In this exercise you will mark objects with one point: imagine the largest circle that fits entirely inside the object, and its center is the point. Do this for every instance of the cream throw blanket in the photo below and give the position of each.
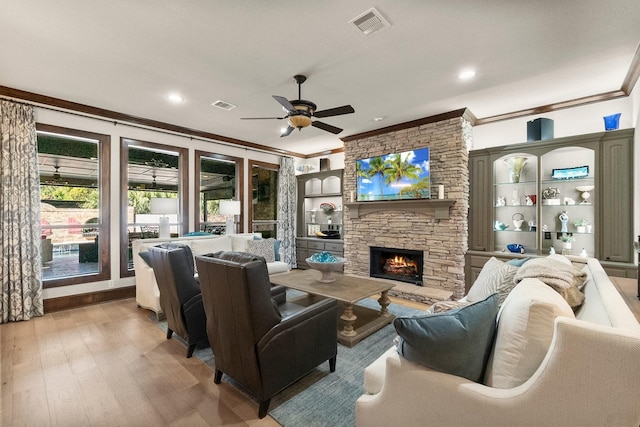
(563, 278)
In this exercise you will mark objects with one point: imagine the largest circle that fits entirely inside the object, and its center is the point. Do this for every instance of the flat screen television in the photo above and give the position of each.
(395, 176)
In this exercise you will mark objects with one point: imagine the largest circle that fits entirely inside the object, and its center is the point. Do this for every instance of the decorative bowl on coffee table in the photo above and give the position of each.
(326, 267)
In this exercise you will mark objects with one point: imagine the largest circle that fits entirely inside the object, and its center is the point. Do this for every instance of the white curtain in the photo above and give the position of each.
(287, 199)
(20, 257)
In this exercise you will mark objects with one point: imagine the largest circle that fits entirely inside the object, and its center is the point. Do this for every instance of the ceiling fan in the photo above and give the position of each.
(300, 112)
(56, 178)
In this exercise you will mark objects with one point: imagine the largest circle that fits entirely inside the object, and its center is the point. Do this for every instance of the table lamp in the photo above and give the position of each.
(230, 208)
(164, 206)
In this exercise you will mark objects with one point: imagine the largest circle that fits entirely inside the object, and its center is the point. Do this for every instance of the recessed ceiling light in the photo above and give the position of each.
(175, 98)
(378, 119)
(466, 74)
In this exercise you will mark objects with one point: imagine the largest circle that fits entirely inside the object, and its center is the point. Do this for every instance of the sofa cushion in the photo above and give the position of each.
(457, 341)
(496, 276)
(262, 247)
(208, 246)
(525, 330)
(239, 242)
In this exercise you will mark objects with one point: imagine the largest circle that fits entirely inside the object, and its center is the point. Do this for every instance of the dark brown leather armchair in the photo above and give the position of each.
(262, 342)
(180, 297)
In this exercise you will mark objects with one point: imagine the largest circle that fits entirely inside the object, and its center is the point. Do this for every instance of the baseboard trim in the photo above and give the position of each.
(73, 301)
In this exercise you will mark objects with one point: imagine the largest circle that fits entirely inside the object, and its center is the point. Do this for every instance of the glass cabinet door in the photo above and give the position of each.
(567, 190)
(515, 200)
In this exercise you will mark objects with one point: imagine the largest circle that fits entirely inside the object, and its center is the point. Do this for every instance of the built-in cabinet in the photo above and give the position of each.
(573, 194)
(317, 192)
(307, 246)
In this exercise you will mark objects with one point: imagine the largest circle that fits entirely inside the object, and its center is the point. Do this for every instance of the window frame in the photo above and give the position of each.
(199, 154)
(264, 165)
(183, 192)
(104, 177)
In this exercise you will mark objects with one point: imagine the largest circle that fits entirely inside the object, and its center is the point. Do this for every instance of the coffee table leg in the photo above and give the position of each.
(384, 302)
(349, 317)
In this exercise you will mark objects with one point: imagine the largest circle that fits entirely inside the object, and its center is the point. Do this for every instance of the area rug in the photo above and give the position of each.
(324, 398)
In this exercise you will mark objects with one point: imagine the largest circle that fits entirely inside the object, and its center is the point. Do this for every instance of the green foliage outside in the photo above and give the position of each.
(89, 198)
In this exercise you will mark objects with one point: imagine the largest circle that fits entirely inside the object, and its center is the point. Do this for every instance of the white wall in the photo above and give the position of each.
(73, 121)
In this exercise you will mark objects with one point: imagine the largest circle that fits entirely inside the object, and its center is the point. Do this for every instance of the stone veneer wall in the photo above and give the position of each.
(444, 241)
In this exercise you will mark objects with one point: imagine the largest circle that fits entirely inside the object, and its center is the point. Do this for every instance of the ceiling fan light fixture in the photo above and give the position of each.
(299, 121)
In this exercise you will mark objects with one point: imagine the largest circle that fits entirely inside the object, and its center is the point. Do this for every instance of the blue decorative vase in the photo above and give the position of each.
(612, 122)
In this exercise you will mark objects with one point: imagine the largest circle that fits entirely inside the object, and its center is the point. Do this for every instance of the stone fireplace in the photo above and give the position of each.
(396, 264)
(422, 226)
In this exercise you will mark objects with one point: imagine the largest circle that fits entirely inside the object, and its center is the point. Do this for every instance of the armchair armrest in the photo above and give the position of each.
(586, 366)
(300, 317)
(279, 294)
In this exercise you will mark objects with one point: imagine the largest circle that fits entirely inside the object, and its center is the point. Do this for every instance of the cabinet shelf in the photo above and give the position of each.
(567, 181)
(519, 184)
(313, 190)
(313, 196)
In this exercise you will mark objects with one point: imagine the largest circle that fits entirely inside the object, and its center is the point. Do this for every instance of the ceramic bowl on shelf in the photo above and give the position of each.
(516, 248)
(326, 268)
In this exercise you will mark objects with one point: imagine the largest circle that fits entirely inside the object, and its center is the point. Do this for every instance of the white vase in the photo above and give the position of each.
(566, 245)
(581, 229)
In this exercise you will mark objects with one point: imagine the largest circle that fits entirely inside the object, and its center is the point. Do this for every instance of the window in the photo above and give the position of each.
(263, 188)
(74, 177)
(153, 173)
(220, 179)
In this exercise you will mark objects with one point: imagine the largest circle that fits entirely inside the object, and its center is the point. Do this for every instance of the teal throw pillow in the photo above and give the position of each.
(197, 233)
(456, 342)
(146, 257)
(517, 262)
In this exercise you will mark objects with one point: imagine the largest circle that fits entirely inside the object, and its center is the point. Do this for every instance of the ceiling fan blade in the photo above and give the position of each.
(326, 127)
(338, 111)
(287, 132)
(285, 103)
(262, 118)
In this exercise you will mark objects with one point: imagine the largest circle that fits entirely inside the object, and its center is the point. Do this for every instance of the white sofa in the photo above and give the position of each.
(147, 292)
(587, 375)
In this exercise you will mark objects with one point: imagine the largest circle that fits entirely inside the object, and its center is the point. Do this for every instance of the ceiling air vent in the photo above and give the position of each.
(369, 22)
(224, 105)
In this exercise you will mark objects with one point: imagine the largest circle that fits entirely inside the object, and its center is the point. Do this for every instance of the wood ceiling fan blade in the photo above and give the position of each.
(337, 111)
(285, 103)
(287, 132)
(326, 127)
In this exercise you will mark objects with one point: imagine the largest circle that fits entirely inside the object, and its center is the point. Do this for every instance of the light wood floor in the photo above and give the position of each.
(108, 365)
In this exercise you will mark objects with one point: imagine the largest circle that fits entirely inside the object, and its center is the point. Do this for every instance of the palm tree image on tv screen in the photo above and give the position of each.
(396, 176)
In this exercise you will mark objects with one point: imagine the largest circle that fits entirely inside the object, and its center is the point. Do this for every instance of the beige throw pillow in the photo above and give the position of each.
(525, 329)
(495, 277)
(262, 247)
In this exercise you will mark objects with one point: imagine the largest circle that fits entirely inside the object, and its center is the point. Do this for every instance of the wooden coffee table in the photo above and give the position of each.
(356, 322)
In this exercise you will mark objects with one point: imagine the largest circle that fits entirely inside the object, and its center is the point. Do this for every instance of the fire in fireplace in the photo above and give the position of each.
(396, 264)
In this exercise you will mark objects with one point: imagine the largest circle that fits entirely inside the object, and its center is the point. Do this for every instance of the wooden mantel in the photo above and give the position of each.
(440, 206)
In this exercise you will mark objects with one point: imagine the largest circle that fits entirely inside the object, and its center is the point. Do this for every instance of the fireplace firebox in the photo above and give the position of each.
(396, 264)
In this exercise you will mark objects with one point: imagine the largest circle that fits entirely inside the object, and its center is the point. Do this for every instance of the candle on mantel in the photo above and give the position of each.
(440, 191)
(351, 197)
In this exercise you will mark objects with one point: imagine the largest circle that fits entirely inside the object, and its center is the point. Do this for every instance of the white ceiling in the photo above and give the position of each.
(127, 55)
